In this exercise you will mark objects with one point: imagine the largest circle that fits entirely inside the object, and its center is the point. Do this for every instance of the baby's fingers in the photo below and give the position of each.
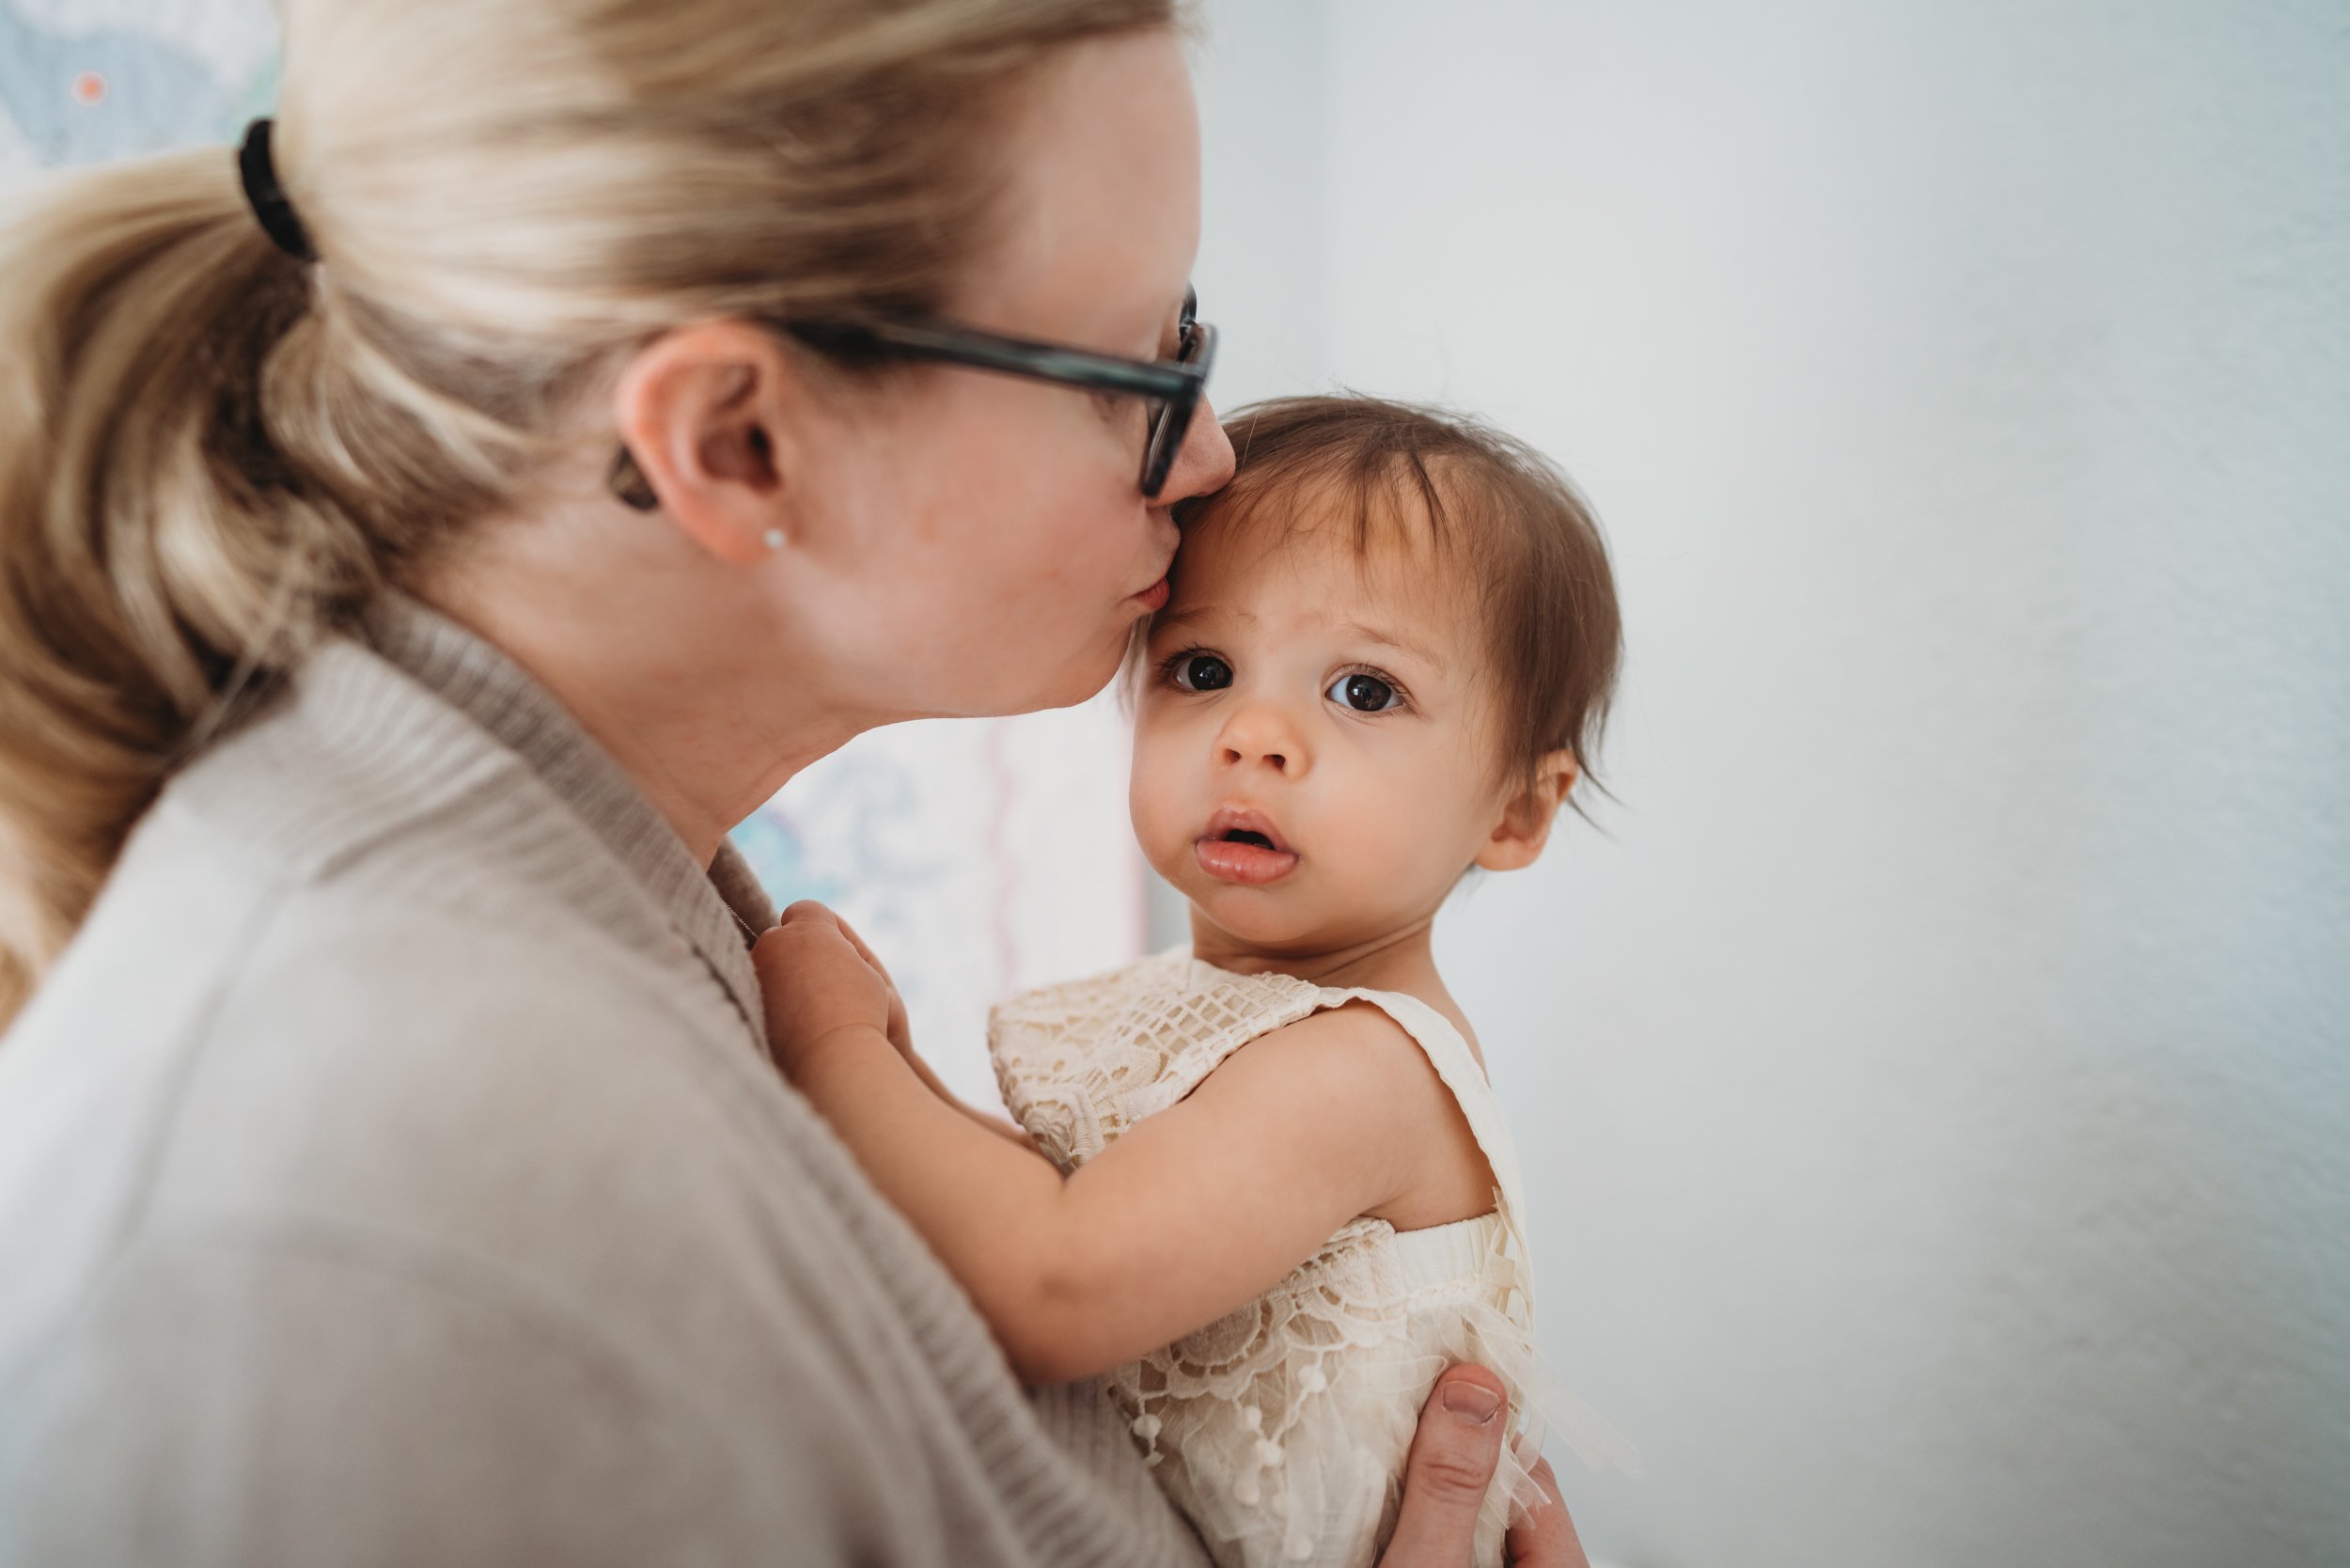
(802, 927)
(854, 940)
(809, 911)
(808, 928)
(900, 1035)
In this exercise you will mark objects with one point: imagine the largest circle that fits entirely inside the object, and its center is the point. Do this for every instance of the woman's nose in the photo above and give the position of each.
(1258, 735)
(1205, 463)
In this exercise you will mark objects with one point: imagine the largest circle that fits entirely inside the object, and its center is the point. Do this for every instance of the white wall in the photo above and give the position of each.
(1937, 1085)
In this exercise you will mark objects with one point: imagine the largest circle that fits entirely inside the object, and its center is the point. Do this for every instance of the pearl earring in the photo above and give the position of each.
(775, 539)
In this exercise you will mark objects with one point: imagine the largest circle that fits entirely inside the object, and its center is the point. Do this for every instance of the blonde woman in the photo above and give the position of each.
(421, 536)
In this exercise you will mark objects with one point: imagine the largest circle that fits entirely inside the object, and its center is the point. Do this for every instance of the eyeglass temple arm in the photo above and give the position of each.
(1013, 356)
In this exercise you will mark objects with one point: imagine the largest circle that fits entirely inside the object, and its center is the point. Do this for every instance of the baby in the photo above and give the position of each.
(1264, 1193)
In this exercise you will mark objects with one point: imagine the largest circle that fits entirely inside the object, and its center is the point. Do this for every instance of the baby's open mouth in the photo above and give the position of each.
(1232, 850)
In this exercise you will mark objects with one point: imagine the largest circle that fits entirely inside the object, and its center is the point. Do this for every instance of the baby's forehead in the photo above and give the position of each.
(1309, 559)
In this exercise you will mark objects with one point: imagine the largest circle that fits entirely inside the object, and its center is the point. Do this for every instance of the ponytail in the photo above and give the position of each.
(160, 563)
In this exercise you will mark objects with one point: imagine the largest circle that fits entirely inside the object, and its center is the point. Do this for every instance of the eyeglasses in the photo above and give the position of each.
(1171, 387)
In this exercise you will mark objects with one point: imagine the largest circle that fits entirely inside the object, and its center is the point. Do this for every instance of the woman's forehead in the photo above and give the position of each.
(1101, 222)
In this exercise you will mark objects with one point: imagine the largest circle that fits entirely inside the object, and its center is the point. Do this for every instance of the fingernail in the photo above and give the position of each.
(1474, 1400)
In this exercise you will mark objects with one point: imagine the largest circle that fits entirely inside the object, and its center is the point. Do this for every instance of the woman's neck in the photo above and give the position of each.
(682, 693)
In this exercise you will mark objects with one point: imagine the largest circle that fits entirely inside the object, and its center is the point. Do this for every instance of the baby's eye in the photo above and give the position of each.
(1201, 672)
(1365, 694)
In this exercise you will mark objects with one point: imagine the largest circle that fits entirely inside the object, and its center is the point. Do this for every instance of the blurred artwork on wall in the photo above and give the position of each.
(83, 81)
(976, 857)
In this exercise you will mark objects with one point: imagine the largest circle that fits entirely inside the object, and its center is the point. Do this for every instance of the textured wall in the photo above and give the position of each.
(1937, 1083)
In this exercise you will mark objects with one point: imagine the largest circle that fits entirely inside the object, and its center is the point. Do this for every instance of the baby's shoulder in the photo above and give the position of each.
(1353, 1036)
(1349, 1051)
(1394, 1072)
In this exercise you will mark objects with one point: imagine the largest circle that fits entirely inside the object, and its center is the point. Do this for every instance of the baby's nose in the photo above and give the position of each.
(1259, 734)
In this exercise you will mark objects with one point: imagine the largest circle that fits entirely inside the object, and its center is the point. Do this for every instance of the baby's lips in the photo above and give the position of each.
(1249, 865)
(1229, 820)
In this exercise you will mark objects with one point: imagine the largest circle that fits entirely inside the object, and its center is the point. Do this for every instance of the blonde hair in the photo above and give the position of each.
(213, 454)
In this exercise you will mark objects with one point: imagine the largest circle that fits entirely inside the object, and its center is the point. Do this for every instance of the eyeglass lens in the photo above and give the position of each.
(1170, 420)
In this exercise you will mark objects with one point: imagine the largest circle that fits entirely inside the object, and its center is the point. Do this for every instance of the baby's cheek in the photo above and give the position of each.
(1158, 799)
(1383, 840)
(1402, 817)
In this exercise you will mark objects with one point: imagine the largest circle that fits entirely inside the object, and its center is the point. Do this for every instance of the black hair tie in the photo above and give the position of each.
(268, 197)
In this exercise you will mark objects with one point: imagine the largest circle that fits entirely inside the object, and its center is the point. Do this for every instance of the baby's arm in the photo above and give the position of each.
(900, 1037)
(1197, 1211)
(996, 1126)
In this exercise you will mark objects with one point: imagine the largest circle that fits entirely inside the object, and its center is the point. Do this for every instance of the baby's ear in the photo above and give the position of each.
(1524, 826)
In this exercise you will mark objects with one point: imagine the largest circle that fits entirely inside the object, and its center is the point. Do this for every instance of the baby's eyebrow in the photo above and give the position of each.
(1363, 630)
(1190, 613)
(1392, 640)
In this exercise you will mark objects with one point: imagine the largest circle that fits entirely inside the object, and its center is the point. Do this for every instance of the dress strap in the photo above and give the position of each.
(1196, 1015)
(1450, 1054)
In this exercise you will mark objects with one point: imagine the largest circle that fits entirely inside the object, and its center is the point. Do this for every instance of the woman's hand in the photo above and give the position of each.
(1452, 1462)
(818, 978)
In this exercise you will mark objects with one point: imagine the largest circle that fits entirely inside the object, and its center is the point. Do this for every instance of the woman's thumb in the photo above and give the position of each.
(1451, 1464)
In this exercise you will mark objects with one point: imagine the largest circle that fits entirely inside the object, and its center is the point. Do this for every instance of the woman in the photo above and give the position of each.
(423, 539)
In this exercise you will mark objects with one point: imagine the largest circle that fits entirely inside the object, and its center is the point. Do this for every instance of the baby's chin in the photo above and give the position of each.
(1277, 921)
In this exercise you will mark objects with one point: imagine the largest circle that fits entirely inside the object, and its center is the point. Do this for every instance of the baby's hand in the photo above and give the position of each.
(817, 978)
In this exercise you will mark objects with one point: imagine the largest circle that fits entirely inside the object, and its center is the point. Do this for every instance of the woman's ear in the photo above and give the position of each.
(713, 413)
(1518, 838)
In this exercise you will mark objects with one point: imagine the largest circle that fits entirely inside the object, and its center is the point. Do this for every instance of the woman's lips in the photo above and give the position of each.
(1251, 865)
(1154, 597)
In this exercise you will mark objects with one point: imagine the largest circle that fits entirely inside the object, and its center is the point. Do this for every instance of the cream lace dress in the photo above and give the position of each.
(1281, 1429)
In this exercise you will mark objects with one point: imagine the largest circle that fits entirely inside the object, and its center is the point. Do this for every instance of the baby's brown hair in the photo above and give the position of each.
(1494, 504)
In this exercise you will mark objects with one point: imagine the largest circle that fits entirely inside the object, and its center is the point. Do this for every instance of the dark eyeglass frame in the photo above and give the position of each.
(1174, 385)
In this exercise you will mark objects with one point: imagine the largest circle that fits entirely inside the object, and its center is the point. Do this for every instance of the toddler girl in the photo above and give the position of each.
(1264, 1192)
